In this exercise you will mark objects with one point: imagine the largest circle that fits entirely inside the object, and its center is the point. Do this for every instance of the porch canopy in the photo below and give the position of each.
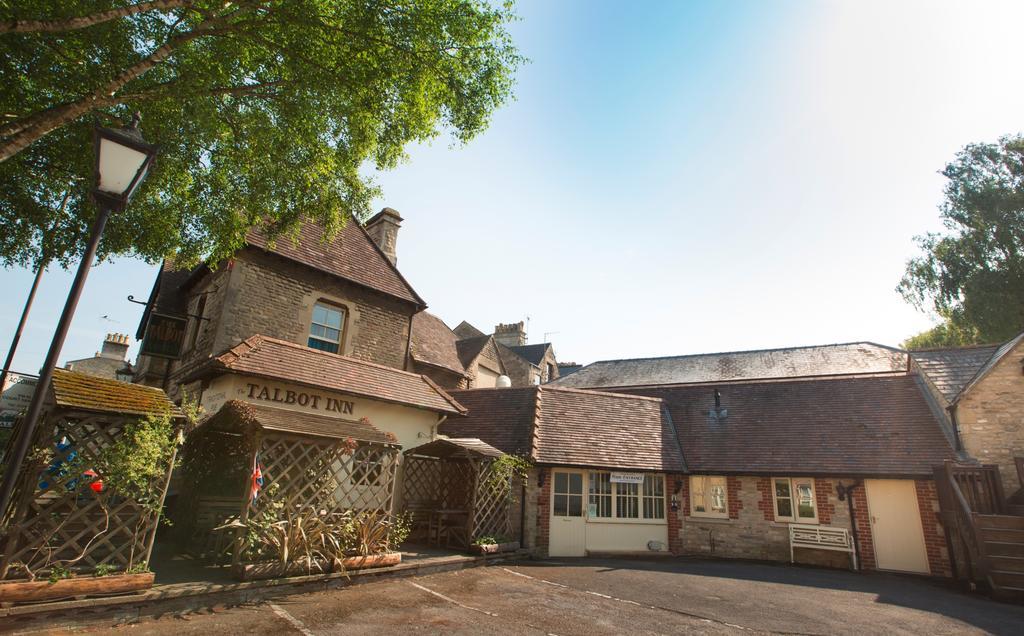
(305, 461)
(454, 492)
(62, 514)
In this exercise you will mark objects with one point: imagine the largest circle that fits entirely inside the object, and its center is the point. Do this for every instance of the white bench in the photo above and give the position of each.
(821, 538)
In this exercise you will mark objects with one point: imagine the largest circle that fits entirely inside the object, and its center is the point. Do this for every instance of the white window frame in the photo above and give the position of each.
(709, 512)
(794, 507)
(615, 504)
(342, 311)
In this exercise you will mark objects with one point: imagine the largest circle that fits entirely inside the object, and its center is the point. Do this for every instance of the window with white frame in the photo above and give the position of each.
(640, 501)
(794, 499)
(326, 327)
(708, 497)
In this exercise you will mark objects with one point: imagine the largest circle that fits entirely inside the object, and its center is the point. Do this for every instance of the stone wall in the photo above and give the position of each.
(489, 358)
(268, 295)
(990, 417)
(519, 371)
(751, 531)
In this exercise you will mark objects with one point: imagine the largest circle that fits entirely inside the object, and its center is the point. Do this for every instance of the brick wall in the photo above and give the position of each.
(865, 543)
(934, 534)
(991, 418)
(675, 517)
(543, 512)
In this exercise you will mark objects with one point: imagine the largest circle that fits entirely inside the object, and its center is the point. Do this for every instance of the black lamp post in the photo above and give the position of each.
(123, 159)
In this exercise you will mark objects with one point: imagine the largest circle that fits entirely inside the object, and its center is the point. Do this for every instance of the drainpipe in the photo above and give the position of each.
(846, 492)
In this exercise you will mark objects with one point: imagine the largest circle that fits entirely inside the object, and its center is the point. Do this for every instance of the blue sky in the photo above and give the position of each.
(677, 177)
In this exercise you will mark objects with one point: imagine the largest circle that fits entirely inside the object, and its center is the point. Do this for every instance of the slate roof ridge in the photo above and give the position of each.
(726, 353)
(776, 380)
(993, 360)
(569, 389)
(535, 428)
(956, 348)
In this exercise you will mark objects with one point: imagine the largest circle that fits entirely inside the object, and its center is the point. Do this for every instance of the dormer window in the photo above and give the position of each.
(326, 327)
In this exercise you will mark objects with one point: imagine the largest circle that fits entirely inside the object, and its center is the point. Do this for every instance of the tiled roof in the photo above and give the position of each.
(469, 349)
(951, 369)
(465, 330)
(434, 343)
(79, 391)
(878, 426)
(449, 446)
(296, 422)
(351, 254)
(534, 354)
(999, 354)
(571, 427)
(289, 362)
(823, 360)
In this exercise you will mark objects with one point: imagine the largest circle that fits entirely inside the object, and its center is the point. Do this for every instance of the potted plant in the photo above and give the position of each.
(488, 544)
(373, 539)
(303, 542)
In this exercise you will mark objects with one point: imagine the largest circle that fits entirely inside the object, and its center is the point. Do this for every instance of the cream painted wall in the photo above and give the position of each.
(413, 427)
(606, 536)
(485, 378)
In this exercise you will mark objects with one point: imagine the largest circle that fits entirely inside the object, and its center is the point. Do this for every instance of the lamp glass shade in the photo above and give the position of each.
(119, 168)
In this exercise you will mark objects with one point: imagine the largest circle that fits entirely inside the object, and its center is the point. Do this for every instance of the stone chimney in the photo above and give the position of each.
(115, 346)
(510, 335)
(383, 229)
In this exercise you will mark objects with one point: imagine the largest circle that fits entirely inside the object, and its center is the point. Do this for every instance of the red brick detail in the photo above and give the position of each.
(865, 543)
(733, 486)
(675, 521)
(544, 511)
(934, 535)
(767, 504)
(684, 496)
(822, 492)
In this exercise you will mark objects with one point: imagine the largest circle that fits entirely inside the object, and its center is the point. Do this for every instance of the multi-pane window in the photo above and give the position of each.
(708, 496)
(654, 497)
(609, 500)
(600, 495)
(326, 327)
(568, 495)
(794, 499)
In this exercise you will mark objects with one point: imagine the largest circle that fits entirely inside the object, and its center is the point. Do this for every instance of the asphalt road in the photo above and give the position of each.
(595, 597)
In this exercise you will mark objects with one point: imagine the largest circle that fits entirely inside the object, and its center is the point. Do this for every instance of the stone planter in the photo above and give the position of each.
(85, 585)
(494, 548)
(259, 571)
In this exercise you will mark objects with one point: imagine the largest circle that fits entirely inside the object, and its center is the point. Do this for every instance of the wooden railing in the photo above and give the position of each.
(965, 491)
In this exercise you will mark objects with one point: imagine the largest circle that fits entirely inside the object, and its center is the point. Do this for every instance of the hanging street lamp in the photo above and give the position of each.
(123, 159)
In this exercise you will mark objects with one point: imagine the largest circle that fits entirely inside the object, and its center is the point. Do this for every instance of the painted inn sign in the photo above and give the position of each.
(164, 336)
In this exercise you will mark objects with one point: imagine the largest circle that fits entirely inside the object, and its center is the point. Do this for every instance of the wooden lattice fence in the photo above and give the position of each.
(62, 513)
(491, 514)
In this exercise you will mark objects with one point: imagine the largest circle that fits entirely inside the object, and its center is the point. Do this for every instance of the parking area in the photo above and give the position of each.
(616, 596)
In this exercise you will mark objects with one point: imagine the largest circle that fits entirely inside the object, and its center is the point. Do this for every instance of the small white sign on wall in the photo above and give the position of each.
(627, 478)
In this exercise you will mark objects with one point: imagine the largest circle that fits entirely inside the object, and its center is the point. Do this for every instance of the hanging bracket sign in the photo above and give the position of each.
(627, 478)
(164, 336)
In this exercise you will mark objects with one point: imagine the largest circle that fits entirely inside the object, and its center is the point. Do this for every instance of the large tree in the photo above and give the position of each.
(973, 274)
(265, 110)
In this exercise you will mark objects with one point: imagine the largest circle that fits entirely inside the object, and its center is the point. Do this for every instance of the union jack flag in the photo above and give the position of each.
(257, 478)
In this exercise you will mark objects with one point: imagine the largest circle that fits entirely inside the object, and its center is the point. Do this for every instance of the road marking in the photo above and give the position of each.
(449, 599)
(296, 623)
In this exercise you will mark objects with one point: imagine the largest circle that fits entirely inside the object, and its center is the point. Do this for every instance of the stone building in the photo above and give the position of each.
(109, 362)
(980, 392)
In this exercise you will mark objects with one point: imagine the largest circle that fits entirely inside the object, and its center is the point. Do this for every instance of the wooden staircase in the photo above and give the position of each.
(984, 529)
(1002, 545)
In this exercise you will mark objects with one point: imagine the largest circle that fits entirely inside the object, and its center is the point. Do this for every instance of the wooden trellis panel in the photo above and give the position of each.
(491, 514)
(59, 518)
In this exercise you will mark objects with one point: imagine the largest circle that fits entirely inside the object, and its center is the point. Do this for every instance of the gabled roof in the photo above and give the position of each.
(466, 330)
(434, 343)
(951, 369)
(823, 360)
(90, 393)
(164, 297)
(270, 418)
(569, 427)
(456, 447)
(289, 362)
(470, 349)
(351, 255)
(534, 354)
(871, 426)
(990, 364)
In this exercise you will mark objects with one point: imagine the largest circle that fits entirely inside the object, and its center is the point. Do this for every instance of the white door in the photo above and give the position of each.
(568, 536)
(896, 525)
